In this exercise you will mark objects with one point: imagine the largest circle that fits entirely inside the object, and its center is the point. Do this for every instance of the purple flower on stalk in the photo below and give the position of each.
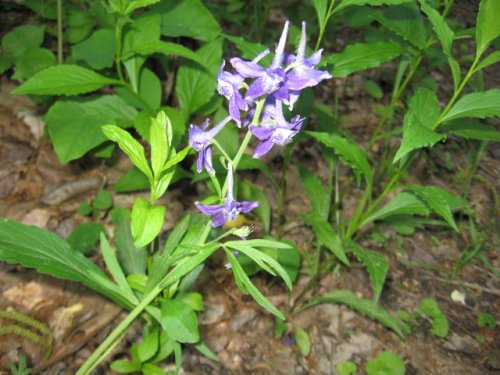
(228, 85)
(276, 131)
(228, 211)
(200, 139)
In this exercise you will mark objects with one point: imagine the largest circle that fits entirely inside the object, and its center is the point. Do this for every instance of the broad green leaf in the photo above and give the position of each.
(440, 326)
(33, 247)
(487, 25)
(318, 194)
(151, 369)
(159, 143)
(346, 3)
(473, 129)
(132, 180)
(147, 221)
(187, 18)
(123, 366)
(150, 89)
(193, 300)
(149, 346)
(361, 56)
(130, 146)
(386, 363)
(103, 200)
(98, 50)
(109, 255)
(303, 341)
(64, 80)
(406, 21)
(195, 84)
(478, 104)
(134, 260)
(320, 6)
(491, 59)
(136, 4)
(264, 260)
(167, 49)
(179, 321)
(423, 113)
(376, 266)
(33, 61)
(327, 235)
(145, 29)
(246, 286)
(404, 203)
(366, 307)
(434, 197)
(251, 192)
(249, 50)
(346, 368)
(350, 153)
(84, 237)
(175, 159)
(21, 39)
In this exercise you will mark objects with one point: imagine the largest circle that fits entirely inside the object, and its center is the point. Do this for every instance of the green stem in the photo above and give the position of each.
(472, 170)
(325, 23)
(97, 355)
(60, 35)
(118, 58)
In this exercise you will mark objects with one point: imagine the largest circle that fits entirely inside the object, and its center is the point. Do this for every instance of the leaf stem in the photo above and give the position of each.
(60, 35)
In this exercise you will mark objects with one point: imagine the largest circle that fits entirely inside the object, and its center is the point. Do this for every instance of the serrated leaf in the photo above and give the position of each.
(487, 25)
(64, 80)
(406, 21)
(318, 194)
(346, 3)
(350, 153)
(363, 306)
(187, 18)
(75, 126)
(32, 61)
(147, 221)
(478, 104)
(376, 266)
(361, 56)
(246, 286)
(423, 113)
(98, 50)
(195, 84)
(179, 321)
(327, 235)
(33, 247)
(433, 196)
(130, 146)
(21, 39)
(167, 49)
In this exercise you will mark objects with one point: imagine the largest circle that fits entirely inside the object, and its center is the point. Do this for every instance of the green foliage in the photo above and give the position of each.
(84, 237)
(147, 221)
(346, 368)
(486, 320)
(480, 104)
(21, 368)
(98, 51)
(179, 321)
(376, 265)
(440, 326)
(386, 363)
(487, 27)
(303, 341)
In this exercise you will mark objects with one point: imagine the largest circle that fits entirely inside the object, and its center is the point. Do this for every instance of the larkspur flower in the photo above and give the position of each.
(228, 211)
(200, 139)
(276, 131)
(228, 85)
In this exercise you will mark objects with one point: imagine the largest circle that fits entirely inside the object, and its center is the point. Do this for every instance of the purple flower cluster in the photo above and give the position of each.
(278, 84)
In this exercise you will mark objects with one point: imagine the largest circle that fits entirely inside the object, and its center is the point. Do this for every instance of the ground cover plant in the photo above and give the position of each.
(191, 102)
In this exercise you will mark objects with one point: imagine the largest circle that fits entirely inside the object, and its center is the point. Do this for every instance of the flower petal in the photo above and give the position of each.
(207, 160)
(262, 132)
(247, 206)
(247, 69)
(262, 149)
(209, 209)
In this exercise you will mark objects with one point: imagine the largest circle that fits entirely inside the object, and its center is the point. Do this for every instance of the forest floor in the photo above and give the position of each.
(36, 189)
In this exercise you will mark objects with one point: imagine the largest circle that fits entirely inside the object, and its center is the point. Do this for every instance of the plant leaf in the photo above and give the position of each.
(98, 50)
(147, 221)
(363, 306)
(491, 59)
(246, 286)
(318, 194)
(303, 341)
(487, 25)
(327, 235)
(376, 266)
(473, 129)
(64, 80)
(130, 146)
(33, 247)
(134, 260)
(404, 203)
(360, 56)
(179, 321)
(347, 3)
(478, 104)
(423, 112)
(167, 49)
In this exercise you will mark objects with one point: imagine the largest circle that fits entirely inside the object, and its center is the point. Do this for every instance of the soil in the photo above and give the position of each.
(239, 331)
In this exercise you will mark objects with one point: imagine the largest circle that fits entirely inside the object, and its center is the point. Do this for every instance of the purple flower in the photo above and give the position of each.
(228, 85)
(228, 211)
(302, 73)
(200, 139)
(268, 80)
(276, 131)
